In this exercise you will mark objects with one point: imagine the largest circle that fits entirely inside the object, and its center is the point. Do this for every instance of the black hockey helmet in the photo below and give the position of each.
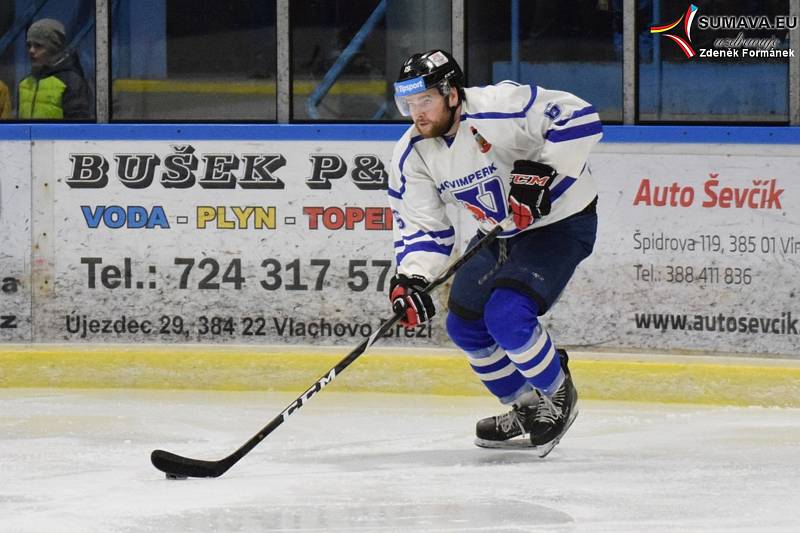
(420, 72)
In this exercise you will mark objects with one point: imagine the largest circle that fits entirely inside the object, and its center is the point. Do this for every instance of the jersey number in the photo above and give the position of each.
(485, 201)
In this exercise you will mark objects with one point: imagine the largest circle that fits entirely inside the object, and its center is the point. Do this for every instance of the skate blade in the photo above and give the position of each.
(510, 444)
(543, 450)
(523, 444)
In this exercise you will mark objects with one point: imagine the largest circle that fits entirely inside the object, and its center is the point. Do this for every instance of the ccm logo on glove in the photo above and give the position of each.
(529, 197)
(524, 179)
(408, 297)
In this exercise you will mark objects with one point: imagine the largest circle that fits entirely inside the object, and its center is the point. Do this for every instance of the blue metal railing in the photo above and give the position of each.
(21, 24)
(342, 61)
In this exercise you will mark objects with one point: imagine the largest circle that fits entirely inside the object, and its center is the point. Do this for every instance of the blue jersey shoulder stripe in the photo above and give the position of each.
(575, 132)
(399, 194)
(498, 114)
(588, 110)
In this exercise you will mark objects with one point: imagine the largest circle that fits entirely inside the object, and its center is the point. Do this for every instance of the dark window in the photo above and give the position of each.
(347, 54)
(73, 63)
(194, 60)
(574, 46)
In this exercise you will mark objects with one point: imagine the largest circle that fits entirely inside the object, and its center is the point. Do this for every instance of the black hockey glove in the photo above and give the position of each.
(406, 295)
(529, 198)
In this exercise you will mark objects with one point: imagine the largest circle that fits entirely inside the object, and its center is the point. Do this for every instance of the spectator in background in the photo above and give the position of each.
(5, 102)
(56, 88)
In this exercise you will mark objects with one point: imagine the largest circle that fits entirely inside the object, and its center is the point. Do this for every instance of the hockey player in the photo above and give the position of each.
(498, 151)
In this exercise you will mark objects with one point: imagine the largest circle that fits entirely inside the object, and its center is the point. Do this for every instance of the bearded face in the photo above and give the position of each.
(431, 113)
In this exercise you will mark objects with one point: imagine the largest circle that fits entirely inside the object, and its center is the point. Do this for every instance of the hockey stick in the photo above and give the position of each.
(179, 467)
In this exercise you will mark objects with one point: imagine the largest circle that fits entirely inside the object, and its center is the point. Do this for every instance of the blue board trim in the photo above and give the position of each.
(371, 132)
(702, 134)
(15, 132)
(239, 132)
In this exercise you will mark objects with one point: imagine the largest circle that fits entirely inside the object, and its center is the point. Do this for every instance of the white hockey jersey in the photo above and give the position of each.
(499, 125)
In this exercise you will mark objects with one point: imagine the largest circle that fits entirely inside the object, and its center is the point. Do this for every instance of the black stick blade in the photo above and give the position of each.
(176, 466)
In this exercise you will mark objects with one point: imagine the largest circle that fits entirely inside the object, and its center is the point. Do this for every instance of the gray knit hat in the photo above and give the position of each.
(48, 33)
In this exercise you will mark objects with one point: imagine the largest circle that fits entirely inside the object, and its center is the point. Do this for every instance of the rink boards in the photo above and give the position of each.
(268, 235)
(599, 376)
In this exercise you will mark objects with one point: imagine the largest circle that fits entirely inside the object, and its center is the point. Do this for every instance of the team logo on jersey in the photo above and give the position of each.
(682, 43)
(485, 201)
(483, 144)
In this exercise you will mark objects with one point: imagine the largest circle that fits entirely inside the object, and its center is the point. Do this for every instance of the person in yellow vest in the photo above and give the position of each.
(56, 88)
(5, 102)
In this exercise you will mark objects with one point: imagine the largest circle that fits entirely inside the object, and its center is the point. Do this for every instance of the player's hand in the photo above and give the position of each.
(407, 297)
(529, 198)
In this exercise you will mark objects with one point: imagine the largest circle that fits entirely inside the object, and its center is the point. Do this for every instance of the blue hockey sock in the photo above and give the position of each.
(488, 360)
(511, 319)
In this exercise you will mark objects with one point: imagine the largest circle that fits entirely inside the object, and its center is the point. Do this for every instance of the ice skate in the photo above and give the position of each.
(500, 431)
(545, 420)
(555, 415)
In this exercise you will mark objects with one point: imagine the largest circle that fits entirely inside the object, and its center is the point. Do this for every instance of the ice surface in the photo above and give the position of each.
(79, 461)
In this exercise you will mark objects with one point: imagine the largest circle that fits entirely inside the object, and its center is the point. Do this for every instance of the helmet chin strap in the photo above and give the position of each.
(452, 110)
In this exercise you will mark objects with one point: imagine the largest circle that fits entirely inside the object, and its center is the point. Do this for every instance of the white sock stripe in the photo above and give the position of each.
(538, 369)
(490, 359)
(532, 348)
(498, 374)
